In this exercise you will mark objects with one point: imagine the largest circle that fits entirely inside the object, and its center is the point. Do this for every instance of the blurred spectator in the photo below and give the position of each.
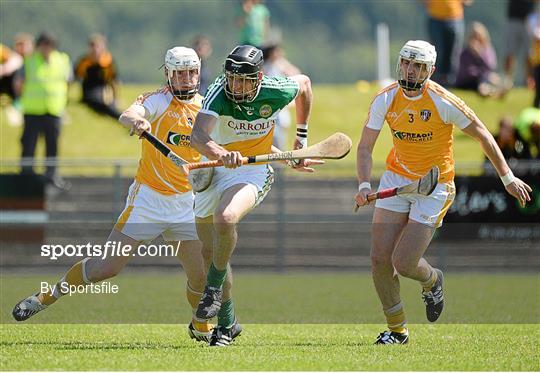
(510, 142)
(23, 44)
(276, 65)
(253, 20)
(527, 125)
(42, 83)
(478, 62)
(446, 31)
(533, 60)
(10, 62)
(98, 74)
(517, 37)
(203, 47)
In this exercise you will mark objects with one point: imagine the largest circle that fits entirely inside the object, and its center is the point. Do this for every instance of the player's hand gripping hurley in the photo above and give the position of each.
(336, 146)
(423, 186)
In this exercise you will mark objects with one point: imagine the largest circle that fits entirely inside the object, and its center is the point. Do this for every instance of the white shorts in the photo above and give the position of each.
(428, 210)
(258, 177)
(149, 214)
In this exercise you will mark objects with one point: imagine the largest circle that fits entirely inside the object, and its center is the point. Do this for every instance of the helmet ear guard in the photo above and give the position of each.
(182, 59)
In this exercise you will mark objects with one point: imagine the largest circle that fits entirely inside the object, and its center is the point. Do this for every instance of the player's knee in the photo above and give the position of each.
(403, 267)
(104, 272)
(379, 260)
(224, 220)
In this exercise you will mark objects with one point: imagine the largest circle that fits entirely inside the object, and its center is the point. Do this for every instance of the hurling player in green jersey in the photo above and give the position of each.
(237, 120)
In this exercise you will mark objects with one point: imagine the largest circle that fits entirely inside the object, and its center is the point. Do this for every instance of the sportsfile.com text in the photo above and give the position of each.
(109, 249)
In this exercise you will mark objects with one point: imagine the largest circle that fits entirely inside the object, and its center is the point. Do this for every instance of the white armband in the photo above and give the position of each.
(508, 179)
(364, 185)
(302, 133)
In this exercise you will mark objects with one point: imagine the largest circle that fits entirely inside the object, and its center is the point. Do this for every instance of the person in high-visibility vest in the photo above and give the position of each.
(42, 83)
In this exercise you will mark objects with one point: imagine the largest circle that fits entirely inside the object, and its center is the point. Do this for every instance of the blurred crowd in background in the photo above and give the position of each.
(35, 74)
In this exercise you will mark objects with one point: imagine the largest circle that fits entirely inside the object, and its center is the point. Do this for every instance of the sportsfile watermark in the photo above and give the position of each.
(105, 287)
(109, 249)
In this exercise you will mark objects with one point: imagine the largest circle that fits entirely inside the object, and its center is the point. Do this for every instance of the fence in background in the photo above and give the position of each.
(305, 222)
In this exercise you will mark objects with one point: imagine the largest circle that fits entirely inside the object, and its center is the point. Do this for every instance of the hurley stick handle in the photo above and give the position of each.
(385, 193)
(218, 163)
(158, 144)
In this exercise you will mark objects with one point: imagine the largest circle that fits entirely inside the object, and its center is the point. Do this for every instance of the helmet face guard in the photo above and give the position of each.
(250, 85)
(181, 65)
(243, 74)
(189, 90)
(421, 57)
(413, 79)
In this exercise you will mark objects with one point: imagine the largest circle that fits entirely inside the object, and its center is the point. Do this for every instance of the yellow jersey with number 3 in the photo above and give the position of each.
(172, 122)
(422, 128)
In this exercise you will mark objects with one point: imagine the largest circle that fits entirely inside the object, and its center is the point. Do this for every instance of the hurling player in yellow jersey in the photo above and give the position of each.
(160, 201)
(421, 115)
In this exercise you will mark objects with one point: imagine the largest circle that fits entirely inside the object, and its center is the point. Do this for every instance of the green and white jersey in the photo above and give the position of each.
(248, 127)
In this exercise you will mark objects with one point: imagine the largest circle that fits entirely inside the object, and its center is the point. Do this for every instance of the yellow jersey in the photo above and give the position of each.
(422, 128)
(5, 53)
(444, 10)
(533, 24)
(172, 122)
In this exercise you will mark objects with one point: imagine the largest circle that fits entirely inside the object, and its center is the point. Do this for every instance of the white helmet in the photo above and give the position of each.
(182, 59)
(417, 51)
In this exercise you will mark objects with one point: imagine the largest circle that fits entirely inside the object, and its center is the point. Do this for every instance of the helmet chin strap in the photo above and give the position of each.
(180, 94)
(411, 86)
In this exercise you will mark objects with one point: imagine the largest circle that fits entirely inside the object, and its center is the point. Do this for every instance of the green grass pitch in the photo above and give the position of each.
(292, 321)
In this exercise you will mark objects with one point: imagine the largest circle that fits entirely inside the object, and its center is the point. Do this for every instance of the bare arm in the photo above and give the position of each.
(201, 140)
(304, 99)
(364, 163)
(478, 131)
(517, 188)
(135, 118)
(303, 102)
